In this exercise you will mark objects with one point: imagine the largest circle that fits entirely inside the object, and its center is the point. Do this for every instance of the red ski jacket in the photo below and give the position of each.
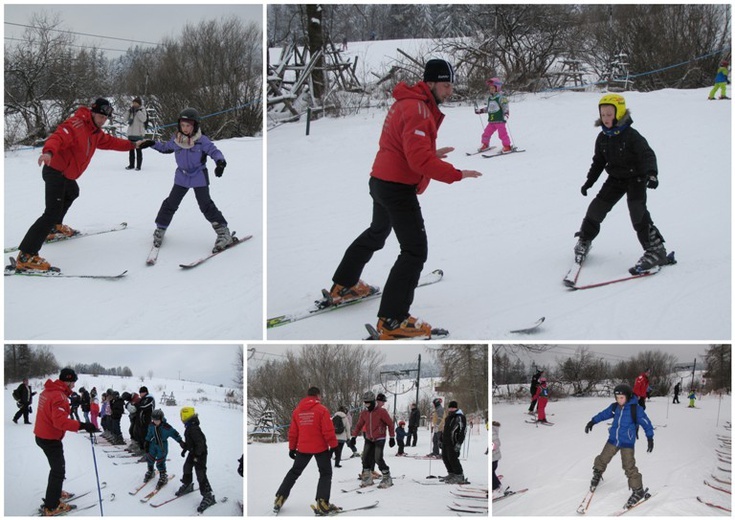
(375, 423)
(52, 416)
(407, 153)
(641, 385)
(311, 429)
(74, 142)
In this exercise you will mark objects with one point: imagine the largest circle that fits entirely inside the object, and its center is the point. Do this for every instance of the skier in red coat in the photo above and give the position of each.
(640, 388)
(52, 423)
(311, 434)
(542, 397)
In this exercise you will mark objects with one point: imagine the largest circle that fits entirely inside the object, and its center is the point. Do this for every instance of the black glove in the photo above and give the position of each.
(352, 442)
(392, 442)
(220, 169)
(652, 182)
(650, 445)
(88, 427)
(589, 426)
(292, 454)
(587, 185)
(184, 449)
(146, 143)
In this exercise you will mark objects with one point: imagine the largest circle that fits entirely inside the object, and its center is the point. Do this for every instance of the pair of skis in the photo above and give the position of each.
(572, 276)
(153, 254)
(584, 506)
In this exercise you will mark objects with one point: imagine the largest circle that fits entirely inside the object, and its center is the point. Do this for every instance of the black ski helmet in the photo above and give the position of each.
(623, 390)
(191, 115)
(157, 414)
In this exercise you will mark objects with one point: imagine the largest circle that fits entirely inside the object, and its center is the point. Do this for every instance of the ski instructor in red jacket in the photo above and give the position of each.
(52, 423)
(406, 161)
(310, 434)
(66, 155)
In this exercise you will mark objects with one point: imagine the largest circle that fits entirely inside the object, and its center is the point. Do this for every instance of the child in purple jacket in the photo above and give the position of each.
(191, 148)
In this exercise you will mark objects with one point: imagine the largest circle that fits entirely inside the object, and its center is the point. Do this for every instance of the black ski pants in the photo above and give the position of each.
(54, 451)
(135, 156)
(412, 437)
(199, 465)
(171, 204)
(450, 457)
(611, 192)
(59, 194)
(338, 452)
(23, 411)
(372, 453)
(395, 207)
(323, 462)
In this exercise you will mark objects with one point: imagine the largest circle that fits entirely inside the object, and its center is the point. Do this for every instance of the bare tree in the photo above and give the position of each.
(465, 373)
(718, 359)
(584, 371)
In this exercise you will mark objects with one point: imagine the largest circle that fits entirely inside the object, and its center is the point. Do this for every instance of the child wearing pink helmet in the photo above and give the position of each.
(497, 114)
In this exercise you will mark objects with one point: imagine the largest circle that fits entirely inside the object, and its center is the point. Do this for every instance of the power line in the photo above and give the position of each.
(73, 45)
(83, 34)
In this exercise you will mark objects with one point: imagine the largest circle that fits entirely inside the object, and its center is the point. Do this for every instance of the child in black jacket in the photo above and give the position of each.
(196, 460)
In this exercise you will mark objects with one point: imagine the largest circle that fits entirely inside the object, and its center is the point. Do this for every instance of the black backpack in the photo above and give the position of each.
(16, 394)
(339, 424)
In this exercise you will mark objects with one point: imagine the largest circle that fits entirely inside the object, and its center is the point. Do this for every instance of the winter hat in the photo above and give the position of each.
(617, 101)
(143, 389)
(102, 106)
(437, 401)
(381, 397)
(401, 423)
(368, 396)
(438, 70)
(67, 375)
(725, 63)
(186, 413)
(452, 404)
(137, 100)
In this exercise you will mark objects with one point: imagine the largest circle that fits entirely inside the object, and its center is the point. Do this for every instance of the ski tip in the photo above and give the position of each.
(438, 272)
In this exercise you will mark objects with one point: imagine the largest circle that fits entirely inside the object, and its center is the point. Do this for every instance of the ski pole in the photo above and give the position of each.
(482, 125)
(96, 472)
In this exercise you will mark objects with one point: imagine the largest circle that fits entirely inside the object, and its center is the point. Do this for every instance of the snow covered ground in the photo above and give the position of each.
(219, 300)
(267, 464)
(26, 467)
(555, 462)
(505, 240)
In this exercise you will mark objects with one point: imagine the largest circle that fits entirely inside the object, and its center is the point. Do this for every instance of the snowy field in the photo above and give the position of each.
(505, 240)
(219, 300)
(267, 464)
(555, 462)
(26, 467)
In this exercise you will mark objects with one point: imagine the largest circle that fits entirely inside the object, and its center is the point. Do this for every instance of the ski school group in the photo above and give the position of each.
(315, 433)
(149, 433)
(628, 414)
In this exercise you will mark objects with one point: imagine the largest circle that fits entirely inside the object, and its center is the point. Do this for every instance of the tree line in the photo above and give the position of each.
(214, 66)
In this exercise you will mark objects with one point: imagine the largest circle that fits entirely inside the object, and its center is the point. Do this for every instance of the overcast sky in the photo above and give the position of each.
(213, 364)
(141, 22)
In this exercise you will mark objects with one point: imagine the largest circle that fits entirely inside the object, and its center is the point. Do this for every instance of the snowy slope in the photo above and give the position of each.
(505, 240)
(26, 468)
(555, 462)
(221, 299)
(269, 463)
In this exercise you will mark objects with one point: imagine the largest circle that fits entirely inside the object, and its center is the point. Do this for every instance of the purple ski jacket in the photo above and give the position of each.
(191, 158)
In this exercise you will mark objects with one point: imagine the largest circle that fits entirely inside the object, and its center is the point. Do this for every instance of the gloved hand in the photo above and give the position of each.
(650, 445)
(332, 451)
(292, 454)
(652, 182)
(589, 426)
(352, 441)
(145, 143)
(392, 442)
(88, 427)
(587, 185)
(184, 449)
(220, 169)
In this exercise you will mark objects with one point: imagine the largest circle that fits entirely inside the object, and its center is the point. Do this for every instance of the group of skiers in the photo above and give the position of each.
(68, 151)
(313, 433)
(149, 431)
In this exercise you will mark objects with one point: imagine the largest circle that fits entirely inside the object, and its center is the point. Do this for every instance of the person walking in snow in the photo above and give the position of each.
(52, 423)
(497, 488)
(632, 170)
(692, 396)
(137, 118)
(377, 421)
(722, 79)
(400, 438)
(437, 425)
(23, 396)
(414, 419)
(534, 386)
(542, 397)
(195, 443)
(677, 390)
(191, 148)
(641, 386)
(455, 429)
(156, 446)
(66, 155)
(339, 420)
(311, 434)
(407, 160)
(626, 416)
(497, 111)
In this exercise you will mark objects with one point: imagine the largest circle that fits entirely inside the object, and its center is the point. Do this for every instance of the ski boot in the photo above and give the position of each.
(61, 230)
(185, 489)
(207, 501)
(483, 148)
(638, 495)
(158, 236)
(366, 479)
(324, 508)
(596, 477)
(148, 475)
(653, 256)
(507, 149)
(386, 481)
(162, 480)
(411, 327)
(224, 238)
(581, 249)
(61, 509)
(278, 503)
(26, 262)
(340, 294)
